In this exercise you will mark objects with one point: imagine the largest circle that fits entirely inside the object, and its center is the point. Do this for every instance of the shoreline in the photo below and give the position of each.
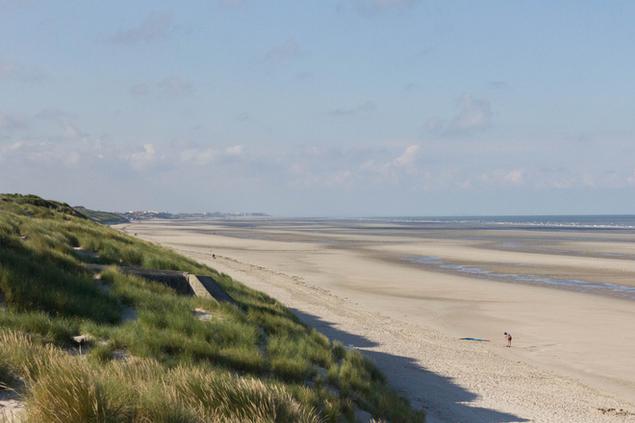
(413, 330)
(606, 289)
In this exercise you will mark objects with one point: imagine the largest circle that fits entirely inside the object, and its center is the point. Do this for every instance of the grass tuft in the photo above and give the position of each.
(252, 362)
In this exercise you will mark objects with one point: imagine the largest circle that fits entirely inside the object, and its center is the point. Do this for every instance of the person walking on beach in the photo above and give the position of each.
(508, 336)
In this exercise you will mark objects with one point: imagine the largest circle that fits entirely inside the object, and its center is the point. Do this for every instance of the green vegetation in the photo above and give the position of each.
(149, 356)
(103, 217)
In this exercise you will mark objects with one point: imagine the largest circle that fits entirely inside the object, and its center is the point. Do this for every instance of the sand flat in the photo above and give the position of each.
(573, 354)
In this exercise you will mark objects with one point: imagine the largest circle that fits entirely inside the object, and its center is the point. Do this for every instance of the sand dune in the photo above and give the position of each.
(573, 353)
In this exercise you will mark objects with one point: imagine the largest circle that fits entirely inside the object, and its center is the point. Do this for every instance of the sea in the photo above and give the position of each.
(584, 223)
(577, 222)
(580, 285)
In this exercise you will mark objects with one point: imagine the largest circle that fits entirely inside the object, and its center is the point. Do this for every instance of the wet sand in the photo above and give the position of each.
(573, 356)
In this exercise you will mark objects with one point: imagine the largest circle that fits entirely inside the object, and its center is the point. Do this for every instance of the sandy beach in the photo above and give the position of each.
(573, 354)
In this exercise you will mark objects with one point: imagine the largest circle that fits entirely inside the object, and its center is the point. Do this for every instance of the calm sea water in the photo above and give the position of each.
(580, 285)
(623, 222)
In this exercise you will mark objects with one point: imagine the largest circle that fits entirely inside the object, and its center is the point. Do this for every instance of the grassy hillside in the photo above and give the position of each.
(151, 358)
(103, 217)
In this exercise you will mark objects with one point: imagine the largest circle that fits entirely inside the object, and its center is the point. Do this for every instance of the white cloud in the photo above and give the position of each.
(408, 156)
(379, 166)
(234, 150)
(6, 150)
(473, 115)
(41, 153)
(375, 7)
(514, 177)
(55, 142)
(11, 122)
(50, 138)
(499, 178)
(140, 160)
(72, 158)
(199, 157)
(365, 107)
(231, 3)
(206, 155)
(13, 147)
(391, 3)
(20, 73)
(388, 167)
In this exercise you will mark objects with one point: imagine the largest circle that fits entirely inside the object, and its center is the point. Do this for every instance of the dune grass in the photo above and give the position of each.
(106, 218)
(253, 361)
(69, 388)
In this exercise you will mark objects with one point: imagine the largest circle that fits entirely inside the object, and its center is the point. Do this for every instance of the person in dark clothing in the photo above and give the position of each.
(508, 337)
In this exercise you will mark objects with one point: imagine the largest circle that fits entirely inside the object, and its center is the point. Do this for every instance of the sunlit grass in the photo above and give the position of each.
(253, 361)
(63, 388)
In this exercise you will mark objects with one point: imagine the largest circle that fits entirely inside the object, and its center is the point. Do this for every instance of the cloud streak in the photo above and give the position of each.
(283, 53)
(10, 122)
(408, 157)
(155, 27)
(203, 156)
(16, 72)
(358, 109)
(473, 115)
(375, 7)
(169, 87)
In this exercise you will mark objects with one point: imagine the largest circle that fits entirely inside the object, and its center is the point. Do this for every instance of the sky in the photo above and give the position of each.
(321, 107)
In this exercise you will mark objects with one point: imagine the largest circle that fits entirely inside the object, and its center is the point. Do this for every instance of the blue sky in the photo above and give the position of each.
(342, 107)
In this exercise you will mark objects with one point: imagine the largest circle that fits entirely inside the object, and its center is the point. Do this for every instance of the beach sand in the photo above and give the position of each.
(573, 354)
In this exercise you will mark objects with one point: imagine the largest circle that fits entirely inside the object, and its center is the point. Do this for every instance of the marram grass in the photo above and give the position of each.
(150, 358)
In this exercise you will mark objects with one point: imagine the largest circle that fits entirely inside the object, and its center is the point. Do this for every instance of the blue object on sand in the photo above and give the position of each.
(475, 339)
